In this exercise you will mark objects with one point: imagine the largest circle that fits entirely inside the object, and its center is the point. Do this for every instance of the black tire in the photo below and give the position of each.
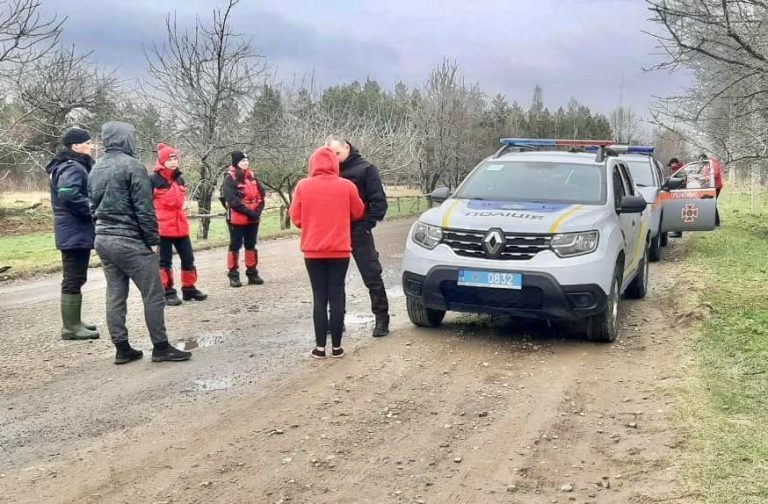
(422, 316)
(664, 239)
(638, 288)
(604, 327)
(654, 254)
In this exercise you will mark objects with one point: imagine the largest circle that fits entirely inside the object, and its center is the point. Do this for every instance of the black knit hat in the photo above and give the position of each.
(75, 136)
(238, 156)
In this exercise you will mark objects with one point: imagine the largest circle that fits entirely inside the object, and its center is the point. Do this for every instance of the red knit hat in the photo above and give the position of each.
(164, 152)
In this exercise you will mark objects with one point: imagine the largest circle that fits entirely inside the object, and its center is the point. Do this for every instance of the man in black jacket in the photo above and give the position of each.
(73, 227)
(126, 240)
(366, 177)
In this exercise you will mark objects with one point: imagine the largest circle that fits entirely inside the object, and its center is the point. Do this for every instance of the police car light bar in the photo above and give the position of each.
(548, 142)
(646, 150)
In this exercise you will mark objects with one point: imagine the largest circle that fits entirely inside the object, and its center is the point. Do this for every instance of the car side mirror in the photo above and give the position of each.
(632, 204)
(440, 194)
(673, 183)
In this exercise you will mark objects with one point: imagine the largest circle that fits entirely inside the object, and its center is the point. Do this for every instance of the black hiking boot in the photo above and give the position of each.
(382, 326)
(125, 353)
(192, 294)
(234, 279)
(171, 299)
(254, 278)
(165, 352)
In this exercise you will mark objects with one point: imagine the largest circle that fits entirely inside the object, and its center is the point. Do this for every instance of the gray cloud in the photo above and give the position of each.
(578, 48)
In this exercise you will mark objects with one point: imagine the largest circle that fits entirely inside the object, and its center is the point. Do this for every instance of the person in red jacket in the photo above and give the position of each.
(244, 199)
(168, 195)
(323, 207)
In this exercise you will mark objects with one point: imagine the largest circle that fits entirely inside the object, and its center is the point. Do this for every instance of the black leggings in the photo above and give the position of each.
(183, 248)
(240, 236)
(327, 279)
(75, 266)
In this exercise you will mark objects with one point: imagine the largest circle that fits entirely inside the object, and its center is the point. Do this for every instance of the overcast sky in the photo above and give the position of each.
(579, 48)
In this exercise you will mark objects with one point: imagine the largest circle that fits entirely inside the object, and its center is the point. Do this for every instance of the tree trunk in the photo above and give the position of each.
(204, 207)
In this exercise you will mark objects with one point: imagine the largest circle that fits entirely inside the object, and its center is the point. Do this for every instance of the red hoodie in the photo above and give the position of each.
(323, 207)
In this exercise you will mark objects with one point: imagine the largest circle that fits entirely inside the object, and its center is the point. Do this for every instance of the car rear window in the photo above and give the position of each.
(536, 182)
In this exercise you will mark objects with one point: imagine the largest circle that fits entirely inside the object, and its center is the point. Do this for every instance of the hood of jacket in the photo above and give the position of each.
(323, 161)
(118, 136)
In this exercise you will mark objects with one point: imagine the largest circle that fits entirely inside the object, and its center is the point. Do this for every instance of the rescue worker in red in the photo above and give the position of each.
(168, 196)
(674, 165)
(717, 168)
(244, 199)
(324, 207)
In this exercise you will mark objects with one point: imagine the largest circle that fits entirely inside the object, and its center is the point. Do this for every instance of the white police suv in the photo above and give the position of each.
(548, 234)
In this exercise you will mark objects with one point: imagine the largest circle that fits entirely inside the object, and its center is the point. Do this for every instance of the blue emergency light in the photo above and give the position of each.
(645, 150)
(550, 142)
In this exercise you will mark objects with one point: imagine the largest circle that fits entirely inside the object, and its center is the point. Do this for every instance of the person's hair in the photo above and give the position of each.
(335, 138)
(673, 160)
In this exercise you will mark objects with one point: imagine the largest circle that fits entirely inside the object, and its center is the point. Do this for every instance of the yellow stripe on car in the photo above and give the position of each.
(561, 220)
(639, 248)
(449, 213)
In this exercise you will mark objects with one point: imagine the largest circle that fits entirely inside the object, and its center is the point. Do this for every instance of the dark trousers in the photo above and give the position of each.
(367, 259)
(242, 236)
(75, 266)
(183, 248)
(125, 260)
(327, 279)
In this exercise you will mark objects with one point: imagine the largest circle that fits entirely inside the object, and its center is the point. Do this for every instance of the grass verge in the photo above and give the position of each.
(727, 413)
(36, 252)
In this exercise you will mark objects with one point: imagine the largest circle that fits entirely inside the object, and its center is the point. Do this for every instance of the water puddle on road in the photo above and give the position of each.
(353, 319)
(211, 384)
(202, 341)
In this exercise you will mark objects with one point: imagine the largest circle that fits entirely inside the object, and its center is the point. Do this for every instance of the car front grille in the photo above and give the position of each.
(519, 246)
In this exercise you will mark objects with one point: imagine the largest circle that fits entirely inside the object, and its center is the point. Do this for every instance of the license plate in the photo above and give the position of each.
(494, 279)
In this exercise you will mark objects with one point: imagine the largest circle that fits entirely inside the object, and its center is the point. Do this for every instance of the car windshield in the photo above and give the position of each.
(544, 182)
(642, 173)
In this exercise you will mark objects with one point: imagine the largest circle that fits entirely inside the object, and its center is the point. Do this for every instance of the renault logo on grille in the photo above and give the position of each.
(494, 242)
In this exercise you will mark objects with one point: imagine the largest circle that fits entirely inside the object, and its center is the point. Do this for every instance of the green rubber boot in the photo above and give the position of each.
(73, 328)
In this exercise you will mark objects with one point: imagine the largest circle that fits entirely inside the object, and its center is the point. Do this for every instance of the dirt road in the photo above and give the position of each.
(480, 411)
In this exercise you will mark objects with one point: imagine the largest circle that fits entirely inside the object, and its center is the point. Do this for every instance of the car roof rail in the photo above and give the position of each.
(643, 150)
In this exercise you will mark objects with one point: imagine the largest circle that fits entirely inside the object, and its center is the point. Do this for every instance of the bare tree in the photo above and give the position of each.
(625, 125)
(204, 78)
(58, 90)
(25, 35)
(725, 45)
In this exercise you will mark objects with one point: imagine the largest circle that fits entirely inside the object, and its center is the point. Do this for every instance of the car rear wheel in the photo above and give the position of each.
(604, 327)
(422, 316)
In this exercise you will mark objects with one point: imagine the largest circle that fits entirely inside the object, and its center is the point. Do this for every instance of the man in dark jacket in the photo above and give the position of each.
(126, 241)
(73, 227)
(366, 177)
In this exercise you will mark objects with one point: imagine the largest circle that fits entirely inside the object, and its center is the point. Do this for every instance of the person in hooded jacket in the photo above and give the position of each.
(126, 240)
(365, 176)
(243, 197)
(169, 196)
(324, 207)
(73, 227)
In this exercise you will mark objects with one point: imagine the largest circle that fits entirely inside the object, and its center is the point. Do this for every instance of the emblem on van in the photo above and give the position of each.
(690, 213)
(494, 242)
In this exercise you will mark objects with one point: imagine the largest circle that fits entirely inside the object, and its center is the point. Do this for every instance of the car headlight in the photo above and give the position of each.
(574, 244)
(427, 236)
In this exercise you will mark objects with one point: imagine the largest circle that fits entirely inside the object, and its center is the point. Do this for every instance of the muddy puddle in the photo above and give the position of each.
(202, 341)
